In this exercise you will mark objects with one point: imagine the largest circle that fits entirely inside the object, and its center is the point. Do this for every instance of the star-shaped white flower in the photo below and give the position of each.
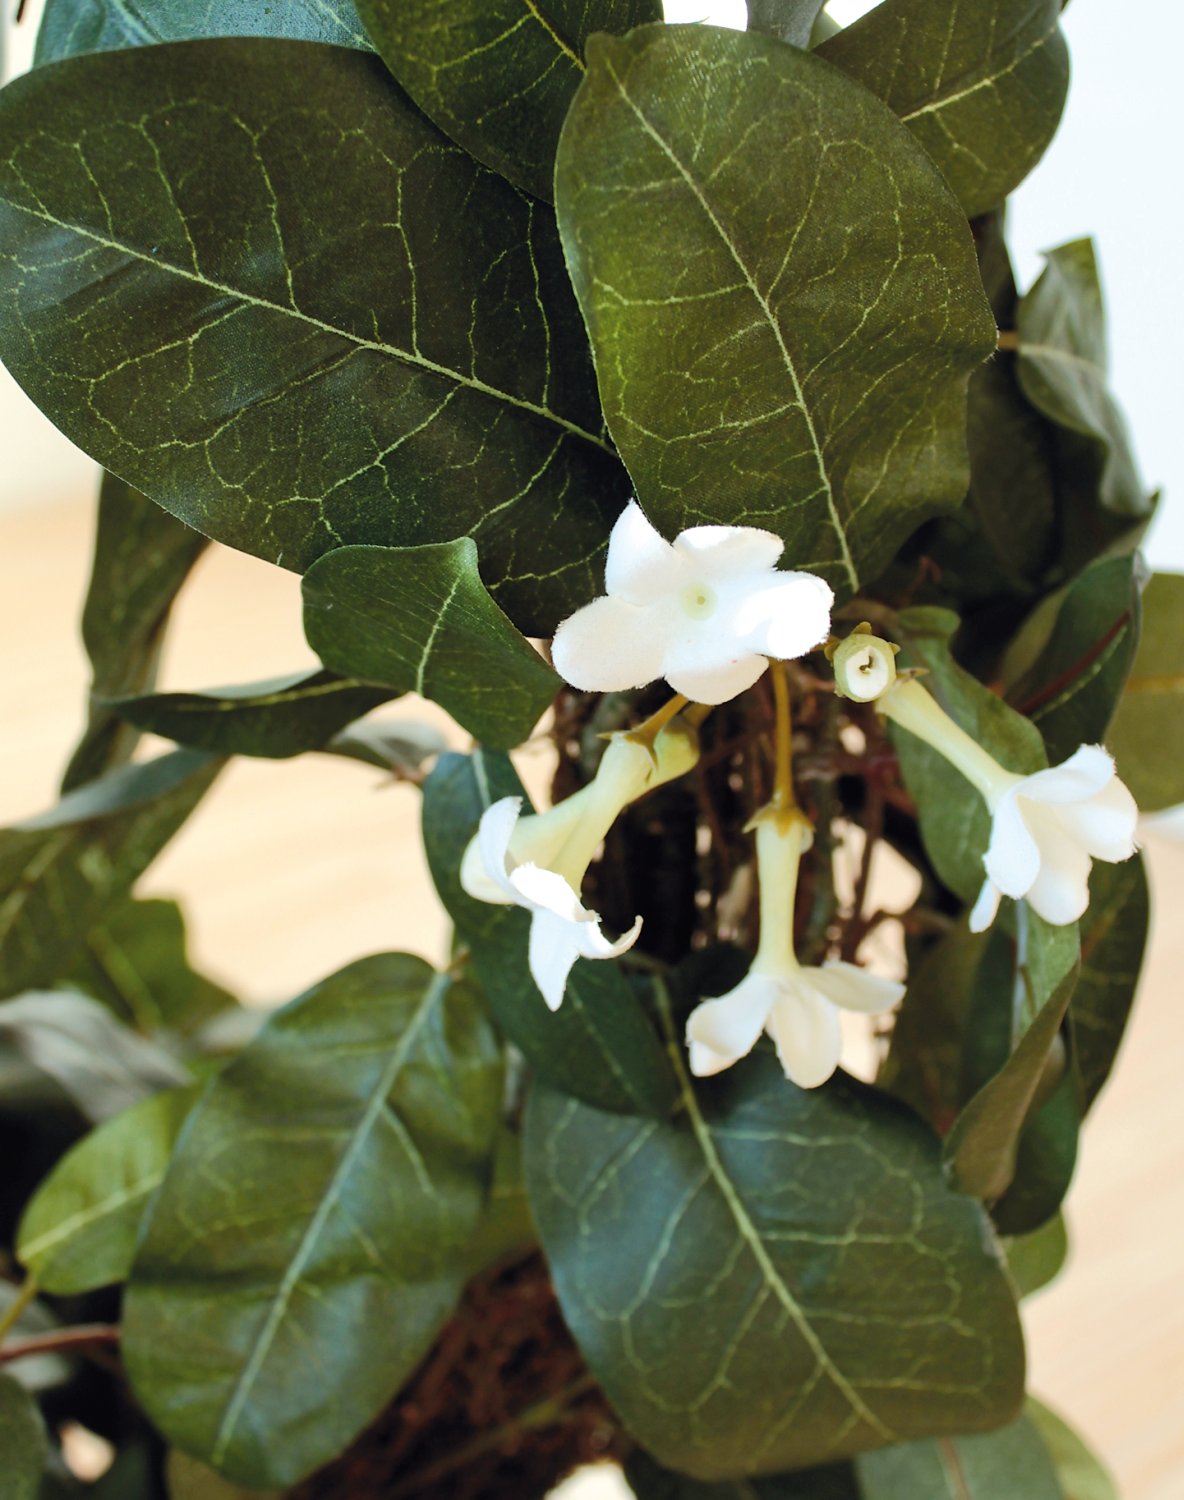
(1046, 830)
(705, 611)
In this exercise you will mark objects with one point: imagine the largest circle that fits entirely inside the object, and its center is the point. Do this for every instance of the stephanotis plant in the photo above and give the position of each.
(602, 379)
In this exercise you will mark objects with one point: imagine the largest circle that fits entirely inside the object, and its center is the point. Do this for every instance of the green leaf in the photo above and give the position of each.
(324, 1189)
(61, 872)
(79, 1230)
(1081, 1473)
(282, 717)
(142, 557)
(496, 76)
(783, 333)
(69, 27)
(744, 1279)
(506, 1226)
(24, 1447)
(955, 824)
(189, 1480)
(1061, 332)
(1012, 1464)
(136, 963)
(980, 83)
(1045, 1161)
(1149, 725)
(419, 619)
(599, 1045)
(1035, 1260)
(373, 340)
(1113, 940)
(791, 21)
(649, 1481)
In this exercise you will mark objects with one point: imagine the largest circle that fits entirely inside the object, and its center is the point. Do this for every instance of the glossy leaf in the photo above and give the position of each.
(1081, 1473)
(783, 333)
(1148, 728)
(1113, 940)
(649, 1481)
(496, 76)
(1012, 1464)
(325, 1187)
(1061, 332)
(790, 21)
(24, 1447)
(69, 27)
(63, 870)
(283, 717)
(323, 357)
(79, 1230)
(142, 557)
(598, 1046)
(419, 619)
(726, 1273)
(980, 83)
(1035, 1260)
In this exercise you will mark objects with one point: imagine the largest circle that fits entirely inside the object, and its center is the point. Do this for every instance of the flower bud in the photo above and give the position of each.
(865, 665)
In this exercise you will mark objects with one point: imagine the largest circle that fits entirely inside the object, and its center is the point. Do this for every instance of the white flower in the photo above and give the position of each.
(1046, 830)
(797, 1005)
(705, 611)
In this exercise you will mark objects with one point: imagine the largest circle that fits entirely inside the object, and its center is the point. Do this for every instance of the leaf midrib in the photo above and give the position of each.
(390, 351)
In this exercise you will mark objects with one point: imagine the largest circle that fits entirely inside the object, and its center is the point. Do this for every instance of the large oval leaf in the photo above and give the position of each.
(745, 1280)
(372, 339)
(310, 1235)
(498, 75)
(783, 332)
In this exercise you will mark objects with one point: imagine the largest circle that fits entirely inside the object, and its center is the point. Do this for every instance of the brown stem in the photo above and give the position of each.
(58, 1340)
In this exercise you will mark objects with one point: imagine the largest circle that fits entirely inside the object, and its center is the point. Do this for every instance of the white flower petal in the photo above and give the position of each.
(787, 617)
(805, 1028)
(484, 869)
(986, 908)
(728, 1028)
(723, 552)
(704, 1062)
(1104, 824)
(544, 890)
(562, 929)
(1012, 859)
(853, 988)
(553, 951)
(711, 668)
(1086, 771)
(607, 647)
(1060, 892)
(641, 564)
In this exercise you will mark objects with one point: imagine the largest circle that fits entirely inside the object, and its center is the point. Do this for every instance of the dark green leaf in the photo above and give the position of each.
(79, 1231)
(1062, 367)
(1081, 1473)
(101, 1066)
(69, 27)
(1148, 728)
(24, 1446)
(1012, 1464)
(1113, 937)
(142, 557)
(1045, 1160)
(744, 1279)
(309, 1237)
(372, 339)
(598, 1046)
(980, 83)
(136, 963)
(790, 21)
(649, 1481)
(783, 333)
(1035, 1260)
(419, 619)
(60, 873)
(285, 716)
(496, 76)
(506, 1227)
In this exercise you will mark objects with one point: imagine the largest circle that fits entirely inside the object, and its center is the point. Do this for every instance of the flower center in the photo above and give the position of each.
(698, 601)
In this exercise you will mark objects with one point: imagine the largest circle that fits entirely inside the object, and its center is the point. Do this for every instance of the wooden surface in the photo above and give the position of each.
(293, 868)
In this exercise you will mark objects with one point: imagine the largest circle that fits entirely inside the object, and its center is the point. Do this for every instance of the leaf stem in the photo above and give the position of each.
(17, 1307)
(57, 1340)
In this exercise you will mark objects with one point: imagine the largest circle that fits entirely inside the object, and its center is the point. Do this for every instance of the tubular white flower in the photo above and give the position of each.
(797, 1005)
(705, 611)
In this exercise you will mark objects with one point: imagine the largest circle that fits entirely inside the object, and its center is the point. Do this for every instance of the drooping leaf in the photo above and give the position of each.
(599, 1045)
(650, 1481)
(69, 27)
(1081, 1473)
(24, 1446)
(1113, 939)
(790, 21)
(783, 333)
(1148, 727)
(142, 557)
(494, 75)
(1062, 358)
(63, 870)
(419, 619)
(279, 718)
(1011, 1464)
(101, 1066)
(372, 340)
(399, 745)
(744, 1281)
(980, 83)
(1035, 1260)
(79, 1230)
(309, 1237)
